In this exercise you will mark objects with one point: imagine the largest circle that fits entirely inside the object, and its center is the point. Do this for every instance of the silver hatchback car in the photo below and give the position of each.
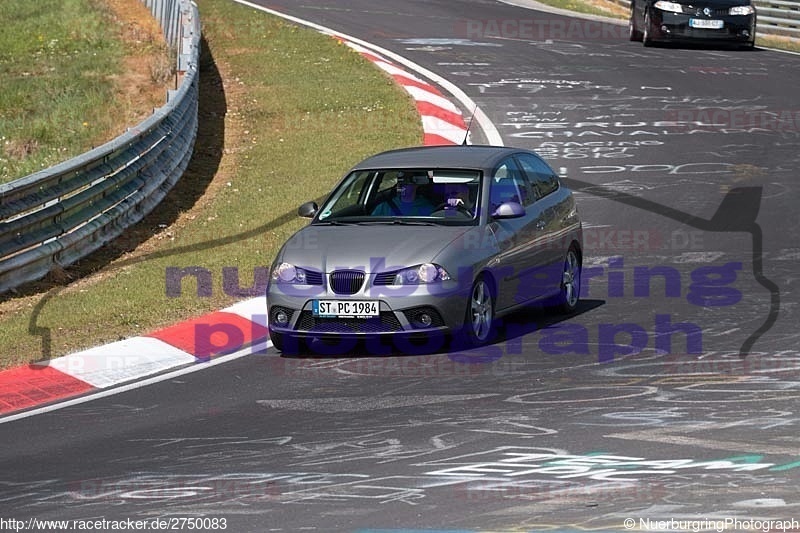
(419, 245)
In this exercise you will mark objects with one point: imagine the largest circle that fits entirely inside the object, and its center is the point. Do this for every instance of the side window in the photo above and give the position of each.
(542, 178)
(352, 193)
(509, 185)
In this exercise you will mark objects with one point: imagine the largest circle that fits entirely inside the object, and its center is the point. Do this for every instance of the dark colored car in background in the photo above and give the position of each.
(426, 243)
(710, 21)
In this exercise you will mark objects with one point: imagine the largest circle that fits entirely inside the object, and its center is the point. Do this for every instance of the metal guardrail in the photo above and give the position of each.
(775, 17)
(61, 214)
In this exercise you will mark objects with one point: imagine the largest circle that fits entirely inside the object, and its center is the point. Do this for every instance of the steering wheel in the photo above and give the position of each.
(460, 207)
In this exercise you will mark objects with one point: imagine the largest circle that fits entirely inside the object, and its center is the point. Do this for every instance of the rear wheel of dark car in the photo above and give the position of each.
(633, 32)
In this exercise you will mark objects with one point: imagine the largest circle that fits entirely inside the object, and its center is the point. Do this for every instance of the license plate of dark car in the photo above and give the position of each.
(707, 24)
(345, 308)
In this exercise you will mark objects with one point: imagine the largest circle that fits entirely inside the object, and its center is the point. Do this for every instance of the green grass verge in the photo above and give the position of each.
(587, 7)
(780, 43)
(56, 62)
(294, 111)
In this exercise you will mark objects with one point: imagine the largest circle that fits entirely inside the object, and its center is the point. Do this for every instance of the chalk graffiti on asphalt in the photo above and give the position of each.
(519, 463)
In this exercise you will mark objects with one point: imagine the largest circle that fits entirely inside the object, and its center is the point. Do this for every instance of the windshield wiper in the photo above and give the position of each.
(376, 222)
(334, 223)
(406, 222)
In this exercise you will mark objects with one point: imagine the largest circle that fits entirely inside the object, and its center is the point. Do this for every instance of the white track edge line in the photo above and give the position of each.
(471, 108)
(489, 129)
(194, 367)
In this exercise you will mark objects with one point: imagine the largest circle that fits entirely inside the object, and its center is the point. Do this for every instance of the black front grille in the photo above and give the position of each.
(313, 277)
(347, 281)
(385, 323)
(698, 11)
(385, 278)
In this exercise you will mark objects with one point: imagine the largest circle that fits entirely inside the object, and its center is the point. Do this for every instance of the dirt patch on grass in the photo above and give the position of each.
(149, 69)
(615, 9)
(205, 175)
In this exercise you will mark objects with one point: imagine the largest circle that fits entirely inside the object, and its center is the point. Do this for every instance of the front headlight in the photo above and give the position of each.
(288, 273)
(420, 274)
(673, 7)
(741, 10)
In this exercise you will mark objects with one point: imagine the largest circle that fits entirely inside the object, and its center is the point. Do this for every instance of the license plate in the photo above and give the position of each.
(345, 308)
(707, 24)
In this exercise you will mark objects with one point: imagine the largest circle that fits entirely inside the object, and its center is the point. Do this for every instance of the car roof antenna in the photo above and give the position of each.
(469, 125)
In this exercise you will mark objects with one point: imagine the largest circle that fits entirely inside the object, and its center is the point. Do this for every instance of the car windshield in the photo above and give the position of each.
(412, 196)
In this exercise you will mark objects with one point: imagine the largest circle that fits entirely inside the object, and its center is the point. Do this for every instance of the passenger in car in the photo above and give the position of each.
(406, 203)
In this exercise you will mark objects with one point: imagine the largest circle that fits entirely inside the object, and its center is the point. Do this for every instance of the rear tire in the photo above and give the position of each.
(633, 32)
(570, 282)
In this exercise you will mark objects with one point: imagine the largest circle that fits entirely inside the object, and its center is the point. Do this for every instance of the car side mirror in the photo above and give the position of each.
(308, 210)
(509, 210)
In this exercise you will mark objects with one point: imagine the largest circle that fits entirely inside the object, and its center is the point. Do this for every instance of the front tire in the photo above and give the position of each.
(278, 340)
(647, 38)
(479, 320)
(288, 344)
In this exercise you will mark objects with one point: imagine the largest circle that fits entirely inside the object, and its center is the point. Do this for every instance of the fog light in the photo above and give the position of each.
(281, 318)
(425, 319)
(745, 33)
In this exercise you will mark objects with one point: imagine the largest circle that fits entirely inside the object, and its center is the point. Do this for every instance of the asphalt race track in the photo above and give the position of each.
(667, 401)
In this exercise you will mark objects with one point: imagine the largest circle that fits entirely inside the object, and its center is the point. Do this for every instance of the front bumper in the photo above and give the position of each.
(668, 26)
(420, 312)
